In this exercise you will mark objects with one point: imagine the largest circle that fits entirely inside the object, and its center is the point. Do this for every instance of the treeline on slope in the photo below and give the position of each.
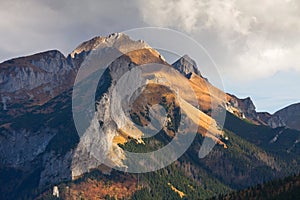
(152, 185)
(279, 141)
(243, 164)
(282, 189)
(183, 174)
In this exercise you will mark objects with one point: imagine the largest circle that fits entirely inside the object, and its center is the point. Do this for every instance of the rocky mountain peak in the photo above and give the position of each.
(244, 108)
(248, 104)
(34, 79)
(186, 66)
(50, 61)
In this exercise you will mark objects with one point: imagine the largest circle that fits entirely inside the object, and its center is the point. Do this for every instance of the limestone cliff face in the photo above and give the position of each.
(98, 143)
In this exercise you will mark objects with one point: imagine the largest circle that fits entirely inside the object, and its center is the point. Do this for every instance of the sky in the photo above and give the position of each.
(255, 44)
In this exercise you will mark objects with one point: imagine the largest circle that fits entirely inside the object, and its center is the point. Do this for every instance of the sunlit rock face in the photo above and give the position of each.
(118, 41)
(98, 144)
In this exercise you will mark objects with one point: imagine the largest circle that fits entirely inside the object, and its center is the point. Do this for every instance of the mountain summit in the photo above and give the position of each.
(119, 41)
(186, 66)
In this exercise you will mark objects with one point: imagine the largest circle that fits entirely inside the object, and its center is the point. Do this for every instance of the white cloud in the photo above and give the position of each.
(252, 39)
(170, 13)
(195, 15)
(33, 26)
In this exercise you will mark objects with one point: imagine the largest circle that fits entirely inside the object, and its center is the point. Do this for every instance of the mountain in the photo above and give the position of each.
(288, 117)
(40, 147)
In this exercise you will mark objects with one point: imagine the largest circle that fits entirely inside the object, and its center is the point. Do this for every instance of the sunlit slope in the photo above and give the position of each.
(189, 96)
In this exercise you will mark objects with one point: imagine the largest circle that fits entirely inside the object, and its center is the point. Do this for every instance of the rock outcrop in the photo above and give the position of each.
(33, 80)
(186, 66)
(288, 117)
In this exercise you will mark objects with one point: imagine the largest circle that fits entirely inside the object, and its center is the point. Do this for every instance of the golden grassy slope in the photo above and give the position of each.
(191, 95)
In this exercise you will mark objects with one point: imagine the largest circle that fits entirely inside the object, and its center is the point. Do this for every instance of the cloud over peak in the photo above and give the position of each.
(258, 38)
